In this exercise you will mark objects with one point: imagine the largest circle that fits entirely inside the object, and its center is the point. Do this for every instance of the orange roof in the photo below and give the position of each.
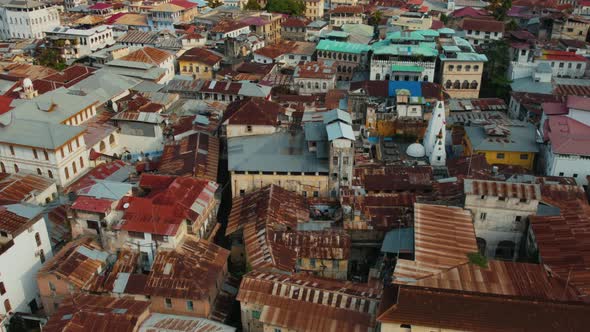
(148, 55)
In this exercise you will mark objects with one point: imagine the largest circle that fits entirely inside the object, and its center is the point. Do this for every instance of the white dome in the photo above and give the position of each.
(416, 150)
(27, 83)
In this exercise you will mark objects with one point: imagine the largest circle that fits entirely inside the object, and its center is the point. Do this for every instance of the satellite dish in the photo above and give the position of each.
(139, 158)
(115, 107)
(126, 205)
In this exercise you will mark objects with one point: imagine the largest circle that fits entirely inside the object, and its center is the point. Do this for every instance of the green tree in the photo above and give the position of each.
(375, 18)
(291, 7)
(499, 8)
(214, 3)
(252, 5)
(50, 57)
(444, 18)
(494, 80)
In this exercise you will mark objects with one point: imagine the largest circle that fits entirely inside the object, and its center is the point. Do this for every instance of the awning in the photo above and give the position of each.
(408, 69)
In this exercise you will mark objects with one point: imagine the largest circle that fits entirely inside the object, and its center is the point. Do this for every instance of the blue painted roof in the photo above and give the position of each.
(414, 87)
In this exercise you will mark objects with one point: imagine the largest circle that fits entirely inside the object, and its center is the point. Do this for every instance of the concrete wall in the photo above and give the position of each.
(298, 183)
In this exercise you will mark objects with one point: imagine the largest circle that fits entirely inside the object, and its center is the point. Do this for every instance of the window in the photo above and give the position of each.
(81, 162)
(136, 235)
(476, 68)
(42, 256)
(451, 67)
(277, 330)
(50, 174)
(560, 173)
(316, 194)
(2, 167)
(3, 234)
(7, 306)
(249, 129)
(575, 175)
(448, 84)
(483, 216)
(190, 306)
(38, 239)
(74, 169)
(501, 198)
(102, 146)
(2, 288)
(518, 218)
(500, 156)
(457, 85)
(70, 147)
(344, 160)
(473, 85)
(46, 155)
(15, 168)
(12, 150)
(524, 156)
(168, 303)
(468, 68)
(35, 154)
(465, 85)
(335, 161)
(39, 171)
(255, 314)
(312, 262)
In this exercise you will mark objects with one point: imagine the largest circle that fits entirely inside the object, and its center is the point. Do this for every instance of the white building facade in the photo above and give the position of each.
(22, 253)
(79, 42)
(26, 19)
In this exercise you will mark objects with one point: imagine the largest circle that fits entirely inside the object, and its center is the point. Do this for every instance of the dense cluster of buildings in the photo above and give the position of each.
(190, 165)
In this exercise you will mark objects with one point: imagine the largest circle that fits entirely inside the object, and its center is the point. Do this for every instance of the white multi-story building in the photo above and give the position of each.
(24, 247)
(26, 19)
(405, 56)
(314, 77)
(43, 135)
(500, 211)
(69, 4)
(479, 32)
(566, 133)
(77, 43)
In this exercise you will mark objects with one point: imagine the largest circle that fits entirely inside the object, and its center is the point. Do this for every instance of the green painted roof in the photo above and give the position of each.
(336, 46)
(451, 48)
(446, 31)
(405, 36)
(465, 56)
(338, 34)
(412, 69)
(402, 49)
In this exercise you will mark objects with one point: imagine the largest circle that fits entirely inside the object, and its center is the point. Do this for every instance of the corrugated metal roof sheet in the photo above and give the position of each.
(502, 189)
(444, 235)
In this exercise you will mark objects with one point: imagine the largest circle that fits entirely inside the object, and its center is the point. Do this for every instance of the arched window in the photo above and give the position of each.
(339, 56)
(355, 58)
(451, 67)
(349, 69)
(350, 57)
(425, 78)
(324, 85)
(473, 85)
(339, 68)
(39, 171)
(459, 67)
(481, 245)
(309, 85)
(7, 306)
(302, 85)
(50, 174)
(15, 168)
(387, 77)
(2, 167)
(448, 84)
(102, 146)
(465, 85)
(317, 85)
(468, 68)
(476, 68)
(457, 85)
(505, 250)
(38, 239)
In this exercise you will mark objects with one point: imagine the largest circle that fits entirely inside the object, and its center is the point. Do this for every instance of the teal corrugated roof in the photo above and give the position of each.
(399, 240)
(338, 34)
(446, 31)
(411, 69)
(336, 46)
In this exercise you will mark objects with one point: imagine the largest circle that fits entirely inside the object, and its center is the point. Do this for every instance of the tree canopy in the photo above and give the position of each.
(494, 80)
(291, 7)
(252, 5)
(499, 8)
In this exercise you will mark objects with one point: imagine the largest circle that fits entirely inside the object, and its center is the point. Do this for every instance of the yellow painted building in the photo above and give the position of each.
(199, 63)
(314, 9)
(504, 145)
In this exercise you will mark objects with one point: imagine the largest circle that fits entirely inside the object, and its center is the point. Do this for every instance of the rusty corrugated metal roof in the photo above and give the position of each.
(84, 313)
(20, 187)
(502, 189)
(195, 155)
(305, 303)
(189, 272)
(444, 235)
